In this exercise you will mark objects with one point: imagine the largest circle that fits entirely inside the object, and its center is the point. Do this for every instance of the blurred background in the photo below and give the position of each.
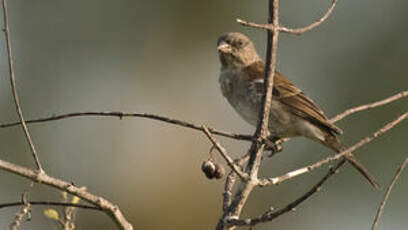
(160, 57)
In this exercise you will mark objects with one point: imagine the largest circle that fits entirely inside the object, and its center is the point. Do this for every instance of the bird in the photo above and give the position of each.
(292, 113)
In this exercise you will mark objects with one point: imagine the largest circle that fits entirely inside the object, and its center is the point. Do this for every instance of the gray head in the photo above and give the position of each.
(236, 50)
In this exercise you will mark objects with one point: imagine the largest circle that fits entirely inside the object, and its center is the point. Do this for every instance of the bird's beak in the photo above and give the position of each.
(223, 47)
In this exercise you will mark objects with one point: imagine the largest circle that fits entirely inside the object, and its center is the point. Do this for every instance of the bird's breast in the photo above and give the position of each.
(247, 104)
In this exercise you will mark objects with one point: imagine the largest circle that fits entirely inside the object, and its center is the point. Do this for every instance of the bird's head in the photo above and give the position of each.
(236, 50)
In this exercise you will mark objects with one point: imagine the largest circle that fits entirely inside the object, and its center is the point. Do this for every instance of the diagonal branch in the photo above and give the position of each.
(112, 210)
(364, 141)
(388, 192)
(369, 106)
(360, 108)
(14, 90)
(225, 155)
(270, 215)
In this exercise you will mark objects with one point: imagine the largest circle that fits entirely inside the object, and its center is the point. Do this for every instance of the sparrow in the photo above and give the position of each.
(292, 113)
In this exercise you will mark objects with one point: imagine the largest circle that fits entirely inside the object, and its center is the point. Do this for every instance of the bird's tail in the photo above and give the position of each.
(333, 142)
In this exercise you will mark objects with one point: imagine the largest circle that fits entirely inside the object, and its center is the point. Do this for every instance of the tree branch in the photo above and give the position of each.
(112, 210)
(14, 90)
(388, 192)
(225, 155)
(369, 106)
(121, 115)
(364, 141)
(262, 131)
(296, 31)
(299, 31)
(186, 124)
(270, 214)
(49, 203)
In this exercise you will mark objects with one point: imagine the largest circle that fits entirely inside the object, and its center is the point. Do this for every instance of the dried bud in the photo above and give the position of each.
(208, 167)
(219, 171)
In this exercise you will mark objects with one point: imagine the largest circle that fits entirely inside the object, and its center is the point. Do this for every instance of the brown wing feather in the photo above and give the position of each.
(294, 98)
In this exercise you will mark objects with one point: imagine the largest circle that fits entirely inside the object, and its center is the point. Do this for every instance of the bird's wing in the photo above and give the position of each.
(288, 94)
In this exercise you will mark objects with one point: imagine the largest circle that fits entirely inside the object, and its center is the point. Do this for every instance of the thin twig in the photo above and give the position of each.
(255, 25)
(364, 141)
(369, 106)
(14, 90)
(49, 203)
(112, 210)
(25, 211)
(128, 114)
(225, 155)
(270, 214)
(387, 193)
(360, 108)
(296, 31)
(299, 31)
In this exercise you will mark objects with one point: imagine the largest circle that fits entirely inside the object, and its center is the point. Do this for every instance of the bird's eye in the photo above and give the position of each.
(237, 43)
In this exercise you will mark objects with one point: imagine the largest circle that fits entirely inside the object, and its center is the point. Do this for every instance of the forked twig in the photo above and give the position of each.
(299, 31)
(296, 31)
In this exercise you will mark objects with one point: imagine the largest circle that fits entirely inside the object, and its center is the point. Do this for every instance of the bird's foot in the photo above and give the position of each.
(273, 145)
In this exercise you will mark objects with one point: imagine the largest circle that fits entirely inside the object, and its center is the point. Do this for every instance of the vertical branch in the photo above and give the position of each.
(261, 133)
(14, 90)
(270, 68)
